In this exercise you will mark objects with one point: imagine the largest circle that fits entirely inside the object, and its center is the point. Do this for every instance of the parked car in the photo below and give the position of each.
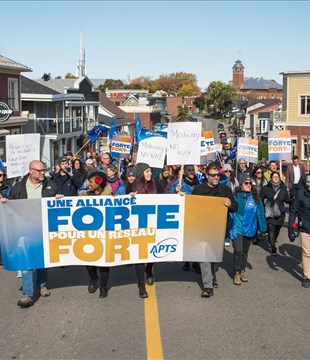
(220, 126)
(223, 135)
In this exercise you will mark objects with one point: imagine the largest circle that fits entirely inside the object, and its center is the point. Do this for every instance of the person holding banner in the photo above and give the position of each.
(144, 184)
(125, 187)
(97, 186)
(34, 186)
(113, 178)
(212, 187)
(249, 218)
(274, 195)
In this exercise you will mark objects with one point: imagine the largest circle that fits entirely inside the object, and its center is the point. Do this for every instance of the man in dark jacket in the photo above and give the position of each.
(299, 218)
(67, 179)
(212, 187)
(34, 186)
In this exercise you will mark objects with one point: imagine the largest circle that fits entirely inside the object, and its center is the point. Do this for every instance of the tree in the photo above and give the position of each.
(58, 77)
(112, 84)
(142, 82)
(200, 102)
(221, 96)
(46, 76)
(70, 76)
(187, 90)
(183, 114)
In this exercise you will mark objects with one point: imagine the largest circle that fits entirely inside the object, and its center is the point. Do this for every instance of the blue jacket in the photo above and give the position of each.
(249, 216)
(187, 189)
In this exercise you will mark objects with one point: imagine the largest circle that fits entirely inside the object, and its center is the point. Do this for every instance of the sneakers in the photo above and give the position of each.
(243, 277)
(44, 292)
(103, 293)
(306, 283)
(92, 286)
(207, 293)
(25, 302)
(227, 242)
(237, 278)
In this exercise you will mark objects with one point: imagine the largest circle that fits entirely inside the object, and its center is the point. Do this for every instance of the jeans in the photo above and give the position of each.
(28, 282)
(273, 233)
(241, 249)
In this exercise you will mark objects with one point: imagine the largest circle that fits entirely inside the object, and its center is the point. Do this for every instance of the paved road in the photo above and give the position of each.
(267, 318)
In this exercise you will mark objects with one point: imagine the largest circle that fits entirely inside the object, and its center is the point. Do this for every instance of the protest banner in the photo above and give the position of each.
(208, 148)
(121, 146)
(20, 151)
(152, 148)
(280, 145)
(184, 141)
(111, 231)
(247, 149)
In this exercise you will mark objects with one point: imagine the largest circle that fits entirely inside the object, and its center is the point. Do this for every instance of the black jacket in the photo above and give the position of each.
(267, 194)
(68, 185)
(19, 191)
(301, 208)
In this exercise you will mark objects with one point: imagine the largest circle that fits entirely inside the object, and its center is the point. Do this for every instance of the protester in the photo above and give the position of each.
(299, 220)
(272, 167)
(67, 179)
(79, 167)
(69, 156)
(294, 173)
(242, 168)
(97, 186)
(258, 178)
(113, 178)
(105, 161)
(212, 187)
(274, 195)
(126, 187)
(248, 219)
(5, 187)
(232, 182)
(34, 186)
(144, 184)
(162, 180)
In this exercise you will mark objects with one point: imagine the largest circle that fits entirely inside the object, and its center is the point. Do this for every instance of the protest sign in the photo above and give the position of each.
(111, 231)
(20, 151)
(280, 145)
(152, 148)
(184, 143)
(121, 146)
(247, 149)
(208, 148)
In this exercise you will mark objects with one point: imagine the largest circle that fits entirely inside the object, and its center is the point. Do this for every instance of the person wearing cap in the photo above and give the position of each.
(275, 194)
(248, 219)
(97, 186)
(144, 184)
(126, 186)
(232, 182)
(67, 179)
(212, 187)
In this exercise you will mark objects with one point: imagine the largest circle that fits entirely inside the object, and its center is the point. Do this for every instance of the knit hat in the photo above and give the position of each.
(244, 177)
(99, 177)
(130, 171)
(140, 168)
(226, 167)
(89, 162)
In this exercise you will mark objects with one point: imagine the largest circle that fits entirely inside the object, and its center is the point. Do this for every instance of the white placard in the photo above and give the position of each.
(20, 151)
(184, 143)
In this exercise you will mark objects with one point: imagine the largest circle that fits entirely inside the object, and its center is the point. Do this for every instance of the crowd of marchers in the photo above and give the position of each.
(257, 198)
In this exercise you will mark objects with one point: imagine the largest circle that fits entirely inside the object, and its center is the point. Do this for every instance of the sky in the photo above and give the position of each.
(128, 39)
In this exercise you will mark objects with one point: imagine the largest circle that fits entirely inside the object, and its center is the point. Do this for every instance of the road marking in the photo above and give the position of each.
(152, 329)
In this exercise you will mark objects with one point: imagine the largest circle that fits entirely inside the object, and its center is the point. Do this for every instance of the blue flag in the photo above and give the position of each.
(138, 128)
(233, 152)
(112, 130)
(95, 132)
(2, 167)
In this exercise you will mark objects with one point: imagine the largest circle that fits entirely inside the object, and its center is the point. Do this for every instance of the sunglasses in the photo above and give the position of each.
(259, 172)
(247, 183)
(214, 175)
(1, 175)
(227, 171)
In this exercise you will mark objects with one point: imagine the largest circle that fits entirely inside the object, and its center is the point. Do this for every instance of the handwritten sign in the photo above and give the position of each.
(20, 151)
(152, 148)
(184, 143)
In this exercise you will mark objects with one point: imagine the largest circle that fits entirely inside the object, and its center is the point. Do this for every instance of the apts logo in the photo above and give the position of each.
(164, 248)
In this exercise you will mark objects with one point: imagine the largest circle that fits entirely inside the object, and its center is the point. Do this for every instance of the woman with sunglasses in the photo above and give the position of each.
(248, 219)
(275, 194)
(258, 178)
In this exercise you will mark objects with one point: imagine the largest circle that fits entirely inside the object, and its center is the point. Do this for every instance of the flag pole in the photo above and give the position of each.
(81, 148)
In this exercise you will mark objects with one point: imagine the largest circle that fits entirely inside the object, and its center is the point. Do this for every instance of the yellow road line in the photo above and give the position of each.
(152, 329)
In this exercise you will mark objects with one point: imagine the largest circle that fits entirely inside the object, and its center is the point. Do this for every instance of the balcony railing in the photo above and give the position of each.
(59, 126)
(278, 116)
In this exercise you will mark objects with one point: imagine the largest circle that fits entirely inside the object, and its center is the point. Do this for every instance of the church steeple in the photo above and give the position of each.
(238, 74)
(81, 67)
